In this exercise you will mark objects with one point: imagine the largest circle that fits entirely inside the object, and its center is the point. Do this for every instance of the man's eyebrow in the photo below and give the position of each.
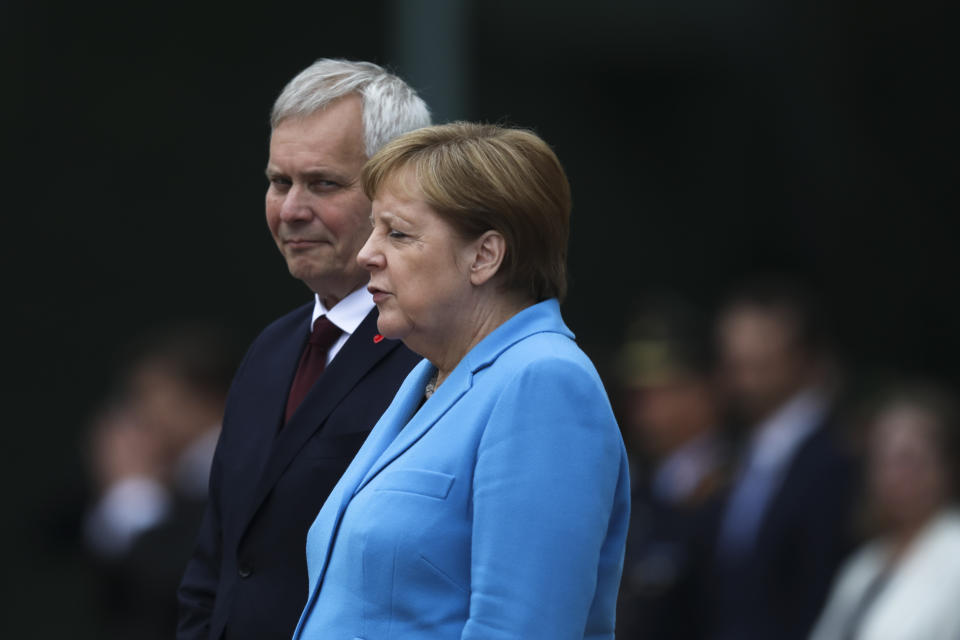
(320, 173)
(309, 174)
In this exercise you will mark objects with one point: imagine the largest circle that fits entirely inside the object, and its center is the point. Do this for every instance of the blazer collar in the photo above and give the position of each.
(543, 317)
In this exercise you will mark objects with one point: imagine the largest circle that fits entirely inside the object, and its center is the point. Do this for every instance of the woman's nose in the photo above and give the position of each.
(369, 257)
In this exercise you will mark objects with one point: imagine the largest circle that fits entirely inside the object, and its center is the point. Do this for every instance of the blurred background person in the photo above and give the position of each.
(150, 454)
(905, 583)
(670, 416)
(783, 529)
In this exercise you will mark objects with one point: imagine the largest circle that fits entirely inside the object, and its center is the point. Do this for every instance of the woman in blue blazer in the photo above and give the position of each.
(491, 499)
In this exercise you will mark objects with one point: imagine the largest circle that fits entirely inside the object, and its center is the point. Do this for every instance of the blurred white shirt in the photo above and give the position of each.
(137, 504)
(920, 599)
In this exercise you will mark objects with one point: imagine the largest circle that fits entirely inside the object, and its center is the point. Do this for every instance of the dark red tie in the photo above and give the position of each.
(312, 362)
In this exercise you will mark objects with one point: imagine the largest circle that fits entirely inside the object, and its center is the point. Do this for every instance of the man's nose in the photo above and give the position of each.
(296, 205)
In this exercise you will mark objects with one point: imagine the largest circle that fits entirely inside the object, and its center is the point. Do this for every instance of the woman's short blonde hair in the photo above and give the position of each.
(481, 177)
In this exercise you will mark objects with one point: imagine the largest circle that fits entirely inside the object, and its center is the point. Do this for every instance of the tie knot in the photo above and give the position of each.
(324, 333)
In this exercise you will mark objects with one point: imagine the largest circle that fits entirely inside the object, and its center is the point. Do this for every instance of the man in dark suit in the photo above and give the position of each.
(670, 418)
(784, 526)
(315, 381)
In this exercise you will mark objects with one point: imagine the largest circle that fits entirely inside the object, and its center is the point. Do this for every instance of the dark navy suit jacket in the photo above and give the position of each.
(248, 574)
(777, 591)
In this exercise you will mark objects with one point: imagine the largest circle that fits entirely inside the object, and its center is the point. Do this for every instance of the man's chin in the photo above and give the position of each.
(307, 272)
(331, 285)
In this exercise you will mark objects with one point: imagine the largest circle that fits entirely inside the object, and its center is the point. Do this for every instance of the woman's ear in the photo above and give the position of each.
(490, 249)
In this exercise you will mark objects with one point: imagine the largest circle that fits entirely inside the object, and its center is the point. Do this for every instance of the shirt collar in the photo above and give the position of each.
(346, 314)
(679, 475)
(781, 434)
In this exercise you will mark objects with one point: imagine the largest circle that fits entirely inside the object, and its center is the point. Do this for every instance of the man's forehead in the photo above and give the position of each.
(345, 110)
(317, 143)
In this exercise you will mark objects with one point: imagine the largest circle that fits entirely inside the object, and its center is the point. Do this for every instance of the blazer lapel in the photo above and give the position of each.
(358, 355)
(544, 316)
(323, 530)
(410, 429)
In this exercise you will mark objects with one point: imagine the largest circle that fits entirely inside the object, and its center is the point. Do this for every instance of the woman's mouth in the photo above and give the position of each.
(379, 295)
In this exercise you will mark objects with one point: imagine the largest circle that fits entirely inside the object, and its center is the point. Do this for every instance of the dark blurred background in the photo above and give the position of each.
(704, 142)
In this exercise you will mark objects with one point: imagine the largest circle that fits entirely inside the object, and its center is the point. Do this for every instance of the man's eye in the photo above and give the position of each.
(279, 183)
(323, 185)
(393, 233)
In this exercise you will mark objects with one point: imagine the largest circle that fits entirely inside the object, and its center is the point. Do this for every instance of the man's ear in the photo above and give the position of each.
(490, 249)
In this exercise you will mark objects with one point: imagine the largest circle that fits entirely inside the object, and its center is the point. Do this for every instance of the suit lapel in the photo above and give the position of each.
(357, 357)
(267, 397)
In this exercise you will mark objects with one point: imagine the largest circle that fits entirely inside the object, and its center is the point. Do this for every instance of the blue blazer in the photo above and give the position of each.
(496, 511)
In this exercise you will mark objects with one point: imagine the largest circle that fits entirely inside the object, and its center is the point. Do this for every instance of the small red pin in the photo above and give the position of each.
(377, 338)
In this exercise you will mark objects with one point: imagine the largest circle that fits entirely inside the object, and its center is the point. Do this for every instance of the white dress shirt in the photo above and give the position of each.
(680, 474)
(346, 315)
(137, 504)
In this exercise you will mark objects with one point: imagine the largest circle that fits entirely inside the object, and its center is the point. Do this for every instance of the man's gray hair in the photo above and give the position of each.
(390, 106)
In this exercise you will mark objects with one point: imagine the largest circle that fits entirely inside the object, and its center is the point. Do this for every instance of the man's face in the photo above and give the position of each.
(316, 210)
(762, 365)
(667, 415)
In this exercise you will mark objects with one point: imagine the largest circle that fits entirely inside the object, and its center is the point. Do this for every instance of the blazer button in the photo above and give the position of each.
(245, 570)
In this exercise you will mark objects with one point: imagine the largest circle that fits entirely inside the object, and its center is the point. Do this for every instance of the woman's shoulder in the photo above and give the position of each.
(550, 373)
(547, 354)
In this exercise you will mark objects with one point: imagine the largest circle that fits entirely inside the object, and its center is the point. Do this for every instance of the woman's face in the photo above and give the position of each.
(907, 478)
(419, 267)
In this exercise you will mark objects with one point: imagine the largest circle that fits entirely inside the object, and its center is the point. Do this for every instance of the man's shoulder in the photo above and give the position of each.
(286, 332)
(296, 320)
(825, 450)
(823, 470)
